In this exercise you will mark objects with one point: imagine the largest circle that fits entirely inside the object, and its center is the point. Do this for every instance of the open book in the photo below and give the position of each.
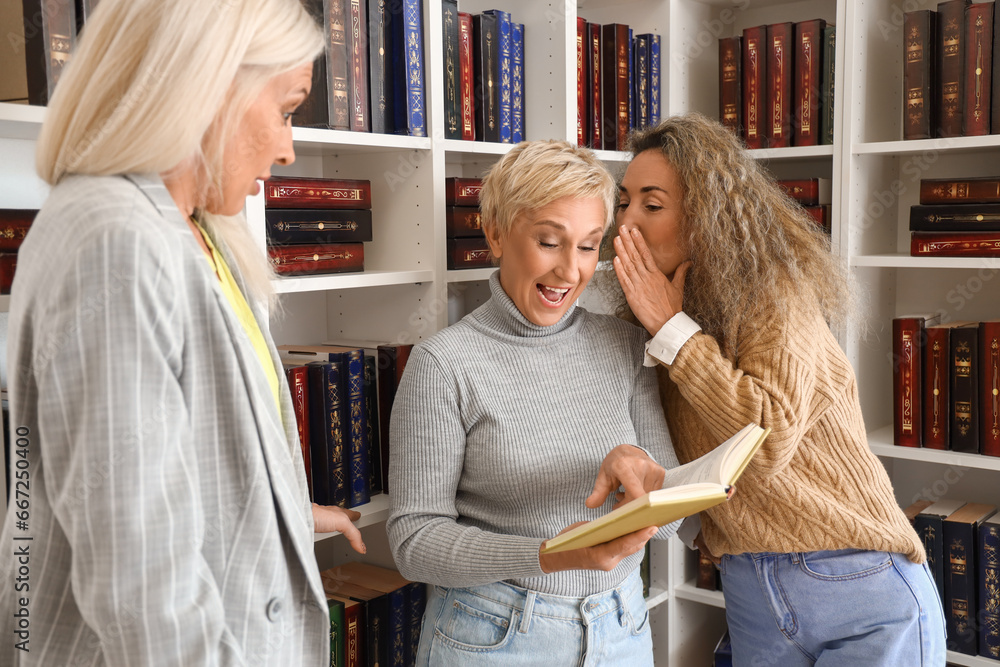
(687, 490)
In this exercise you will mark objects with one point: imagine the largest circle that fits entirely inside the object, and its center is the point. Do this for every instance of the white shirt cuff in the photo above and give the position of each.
(664, 346)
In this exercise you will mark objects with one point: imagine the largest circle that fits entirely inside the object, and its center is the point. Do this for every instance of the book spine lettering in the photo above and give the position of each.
(596, 102)
(487, 87)
(754, 86)
(989, 405)
(989, 590)
(950, 53)
(936, 387)
(958, 244)
(452, 124)
(326, 258)
(503, 74)
(414, 59)
(463, 221)
(336, 388)
(978, 69)
(730, 80)
(907, 334)
(468, 253)
(929, 529)
(642, 82)
(517, 83)
(654, 79)
(466, 95)
(462, 191)
(581, 82)
(779, 84)
(808, 68)
(337, 66)
(359, 483)
(317, 193)
(965, 389)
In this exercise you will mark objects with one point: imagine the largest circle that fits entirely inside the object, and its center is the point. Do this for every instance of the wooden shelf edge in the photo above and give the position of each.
(335, 281)
(376, 511)
(688, 591)
(880, 442)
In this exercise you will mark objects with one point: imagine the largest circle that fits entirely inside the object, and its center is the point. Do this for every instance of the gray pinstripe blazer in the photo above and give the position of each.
(168, 522)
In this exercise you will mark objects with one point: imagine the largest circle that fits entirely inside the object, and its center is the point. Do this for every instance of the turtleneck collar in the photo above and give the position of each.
(500, 316)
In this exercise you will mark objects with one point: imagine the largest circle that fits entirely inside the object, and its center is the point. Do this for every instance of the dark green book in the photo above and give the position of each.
(452, 108)
(337, 631)
(827, 84)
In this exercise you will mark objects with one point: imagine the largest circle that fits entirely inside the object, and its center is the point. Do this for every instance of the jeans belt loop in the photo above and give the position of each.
(529, 605)
(624, 616)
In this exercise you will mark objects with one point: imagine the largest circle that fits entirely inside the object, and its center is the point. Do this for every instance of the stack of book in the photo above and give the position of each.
(467, 247)
(946, 384)
(375, 615)
(483, 75)
(14, 225)
(343, 395)
(776, 84)
(317, 225)
(617, 83)
(949, 80)
(962, 541)
(956, 217)
(813, 195)
(371, 78)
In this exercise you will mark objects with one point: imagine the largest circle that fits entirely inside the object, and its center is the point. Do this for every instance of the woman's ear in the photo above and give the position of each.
(494, 239)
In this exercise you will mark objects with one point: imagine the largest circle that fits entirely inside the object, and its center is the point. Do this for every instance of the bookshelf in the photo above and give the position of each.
(407, 294)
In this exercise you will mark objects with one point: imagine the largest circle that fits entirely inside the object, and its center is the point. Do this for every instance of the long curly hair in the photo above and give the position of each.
(756, 254)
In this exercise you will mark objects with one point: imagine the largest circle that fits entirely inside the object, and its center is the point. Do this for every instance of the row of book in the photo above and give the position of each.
(962, 541)
(617, 83)
(317, 225)
(371, 77)
(946, 384)
(813, 195)
(342, 396)
(14, 225)
(484, 60)
(375, 616)
(950, 80)
(466, 242)
(956, 217)
(776, 84)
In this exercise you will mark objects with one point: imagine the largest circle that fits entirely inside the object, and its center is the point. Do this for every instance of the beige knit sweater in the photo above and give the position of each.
(814, 485)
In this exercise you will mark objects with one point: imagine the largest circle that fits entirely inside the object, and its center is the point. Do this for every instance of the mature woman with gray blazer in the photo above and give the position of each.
(165, 518)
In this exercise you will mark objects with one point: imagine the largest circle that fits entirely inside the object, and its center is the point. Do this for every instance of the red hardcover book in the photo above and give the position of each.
(951, 61)
(755, 106)
(594, 41)
(955, 244)
(354, 625)
(357, 43)
(989, 383)
(983, 190)
(8, 264)
(807, 191)
(919, 64)
(298, 260)
(463, 222)
(288, 192)
(978, 68)
(582, 121)
(466, 98)
(808, 70)
(937, 385)
(471, 253)
(614, 82)
(298, 386)
(780, 58)
(821, 214)
(907, 369)
(462, 191)
(730, 81)
(14, 225)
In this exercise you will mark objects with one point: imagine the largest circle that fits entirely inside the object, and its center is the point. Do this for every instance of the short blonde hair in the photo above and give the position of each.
(535, 173)
(157, 84)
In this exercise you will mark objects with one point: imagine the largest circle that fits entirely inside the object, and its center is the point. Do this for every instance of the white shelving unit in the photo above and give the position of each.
(407, 294)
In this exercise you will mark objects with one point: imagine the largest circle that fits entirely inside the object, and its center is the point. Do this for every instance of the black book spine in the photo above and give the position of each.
(955, 218)
(920, 107)
(929, 528)
(372, 425)
(485, 38)
(291, 226)
(989, 590)
(965, 389)
(49, 37)
(960, 589)
(951, 62)
(452, 109)
(380, 67)
(318, 411)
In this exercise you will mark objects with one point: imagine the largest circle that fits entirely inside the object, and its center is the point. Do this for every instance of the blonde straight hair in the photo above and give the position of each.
(157, 84)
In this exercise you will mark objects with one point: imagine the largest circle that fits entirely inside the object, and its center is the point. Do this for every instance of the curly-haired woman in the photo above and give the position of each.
(738, 288)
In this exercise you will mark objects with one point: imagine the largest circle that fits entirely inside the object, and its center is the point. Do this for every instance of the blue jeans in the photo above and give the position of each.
(832, 608)
(502, 624)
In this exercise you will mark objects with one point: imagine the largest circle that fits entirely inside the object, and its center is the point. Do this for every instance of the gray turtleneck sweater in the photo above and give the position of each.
(499, 428)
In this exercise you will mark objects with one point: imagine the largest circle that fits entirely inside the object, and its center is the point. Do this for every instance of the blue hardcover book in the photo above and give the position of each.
(631, 82)
(642, 81)
(336, 432)
(517, 80)
(989, 588)
(653, 85)
(408, 66)
(504, 67)
(416, 601)
(928, 524)
(961, 532)
(354, 426)
(723, 656)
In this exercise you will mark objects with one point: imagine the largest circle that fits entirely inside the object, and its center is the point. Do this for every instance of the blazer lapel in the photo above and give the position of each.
(278, 433)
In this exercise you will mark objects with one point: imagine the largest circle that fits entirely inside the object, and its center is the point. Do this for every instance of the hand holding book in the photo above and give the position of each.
(687, 489)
